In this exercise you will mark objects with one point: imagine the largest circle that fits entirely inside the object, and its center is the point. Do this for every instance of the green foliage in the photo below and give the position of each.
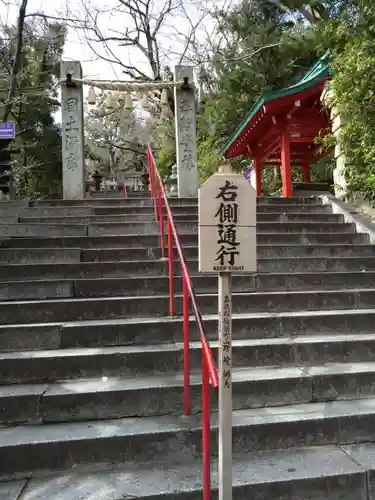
(36, 158)
(208, 158)
(166, 152)
(322, 171)
(267, 46)
(268, 51)
(353, 61)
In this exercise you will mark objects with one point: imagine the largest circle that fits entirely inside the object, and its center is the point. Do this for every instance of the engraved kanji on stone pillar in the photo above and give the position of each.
(72, 133)
(186, 137)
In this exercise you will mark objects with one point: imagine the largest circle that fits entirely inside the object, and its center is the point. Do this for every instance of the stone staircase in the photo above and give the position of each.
(91, 364)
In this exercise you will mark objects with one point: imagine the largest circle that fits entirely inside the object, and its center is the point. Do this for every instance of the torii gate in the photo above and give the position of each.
(282, 126)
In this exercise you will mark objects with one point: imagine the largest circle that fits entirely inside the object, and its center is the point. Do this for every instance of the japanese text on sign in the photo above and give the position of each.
(227, 224)
(227, 218)
(71, 134)
(7, 130)
(227, 343)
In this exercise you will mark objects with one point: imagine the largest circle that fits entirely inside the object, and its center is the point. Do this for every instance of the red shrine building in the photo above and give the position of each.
(282, 126)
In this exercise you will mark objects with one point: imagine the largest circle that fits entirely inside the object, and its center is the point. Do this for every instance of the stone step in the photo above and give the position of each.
(261, 200)
(153, 394)
(13, 203)
(41, 230)
(299, 217)
(115, 194)
(153, 331)
(193, 209)
(152, 240)
(143, 211)
(65, 255)
(295, 200)
(146, 210)
(63, 310)
(144, 285)
(82, 269)
(148, 227)
(132, 268)
(129, 241)
(263, 251)
(49, 365)
(208, 284)
(104, 347)
(64, 211)
(324, 473)
(93, 219)
(8, 219)
(23, 256)
(191, 226)
(144, 439)
(131, 202)
(34, 290)
(147, 218)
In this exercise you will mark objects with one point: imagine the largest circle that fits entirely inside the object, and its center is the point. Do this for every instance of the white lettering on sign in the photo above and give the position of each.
(227, 269)
(227, 224)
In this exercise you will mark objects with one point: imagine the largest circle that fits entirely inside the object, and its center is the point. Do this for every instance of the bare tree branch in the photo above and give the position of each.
(146, 22)
(68, 21)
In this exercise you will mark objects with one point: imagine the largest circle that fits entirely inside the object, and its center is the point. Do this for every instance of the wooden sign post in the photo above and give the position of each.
(227, 244)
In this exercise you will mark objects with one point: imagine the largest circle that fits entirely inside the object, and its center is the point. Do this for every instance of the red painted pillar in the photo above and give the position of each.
(286, 173)
(306, 173)
(258, 175)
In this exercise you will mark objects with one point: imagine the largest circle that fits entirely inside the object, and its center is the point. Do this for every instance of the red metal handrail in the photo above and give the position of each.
(209, 371)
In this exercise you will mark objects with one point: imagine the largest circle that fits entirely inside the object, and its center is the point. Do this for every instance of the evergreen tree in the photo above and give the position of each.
(36, 152)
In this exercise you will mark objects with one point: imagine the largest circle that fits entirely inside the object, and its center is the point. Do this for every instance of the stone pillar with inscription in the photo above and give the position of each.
(72, 133)
(186, 136)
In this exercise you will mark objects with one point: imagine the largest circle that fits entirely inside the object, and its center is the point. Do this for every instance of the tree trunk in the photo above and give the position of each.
(17, 61)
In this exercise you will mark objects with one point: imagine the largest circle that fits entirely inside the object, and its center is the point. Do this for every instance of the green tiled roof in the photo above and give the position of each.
(316, 73)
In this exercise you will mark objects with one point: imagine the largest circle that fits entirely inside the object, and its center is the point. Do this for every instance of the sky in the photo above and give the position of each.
(171, 39)
(76, 47)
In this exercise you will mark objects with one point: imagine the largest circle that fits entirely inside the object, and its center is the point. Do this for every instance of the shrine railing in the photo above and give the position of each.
(163, 214)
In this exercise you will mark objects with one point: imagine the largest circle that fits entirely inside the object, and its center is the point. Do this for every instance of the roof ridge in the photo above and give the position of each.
(319, 71)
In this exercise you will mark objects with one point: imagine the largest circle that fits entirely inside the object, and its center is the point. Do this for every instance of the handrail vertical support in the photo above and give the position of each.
(209, 372)
(151, 174)
(161, 220)
(206, 429)
(185, 306)
(170, 269)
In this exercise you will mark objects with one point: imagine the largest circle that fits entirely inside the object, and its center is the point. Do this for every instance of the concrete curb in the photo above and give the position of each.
(351, 215)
